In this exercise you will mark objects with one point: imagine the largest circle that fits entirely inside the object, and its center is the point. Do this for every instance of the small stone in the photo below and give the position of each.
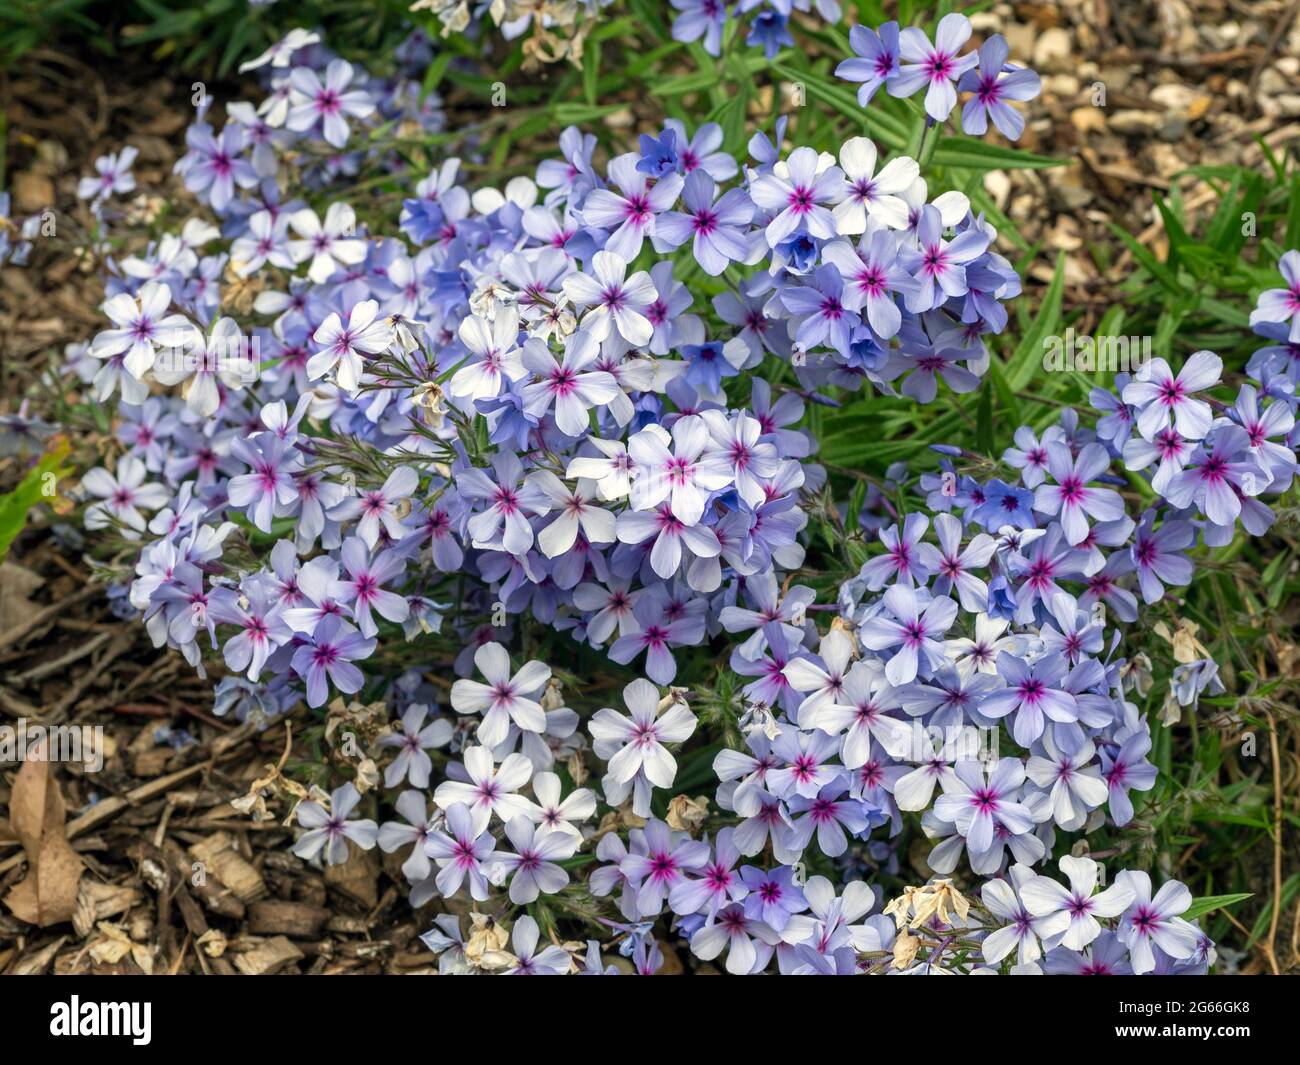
(1173, 97)
(1052, 49)
(1020, 39)
(1088, 119)
(1172, 126)
(1272, 81)
(1063, 86)
(32, 192)
(1134, 123)
(998, 185)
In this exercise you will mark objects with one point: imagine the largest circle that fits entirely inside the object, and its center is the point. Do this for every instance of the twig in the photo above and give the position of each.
(1270, 946)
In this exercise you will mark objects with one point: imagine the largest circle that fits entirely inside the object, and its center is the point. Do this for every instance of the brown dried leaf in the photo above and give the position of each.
(36, 814)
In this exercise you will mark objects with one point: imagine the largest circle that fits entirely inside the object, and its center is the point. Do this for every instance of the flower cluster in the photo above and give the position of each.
(907, 61)
(514, 406)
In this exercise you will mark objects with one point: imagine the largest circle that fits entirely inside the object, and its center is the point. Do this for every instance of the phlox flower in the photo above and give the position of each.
(875, 61)
(1154, 922)
(937, 67)
(394, 835)
(1068, 916)
(343, 348)
(795, 191)
(262, 629)
(700, 18)
(531, 868)
(749, 943)
(329, 830)
(1020, 933)
(491, 789)
(280, 53)
(362, 586)
(113, 176)
(267, 241)
(633, 745)
(122, 497)
(871, 279)
(1162, 398)
(915, 628)
(334, 645)
(977, 806)
(616, 302)
(684, 476)
(631, 215)
(463, 850)
(903, 560)
(504, 524)
(214, 166)
(1217, 475)
(572, 386)
(1282, 304)
(668, 857)
(716, 229)
(938, 266)
(575, 511)
(550, 814)
(327, 103)
(872, 194)
(1035, 694)
(994, 81)
(142, 323)
(718, 884)
(497, 358)
(415, 737)
(952, 565)
(505, 698)
(1073, 783)
(378, 508)
(529, 961)
(327, 244)
(1070, 499)
(829, 814)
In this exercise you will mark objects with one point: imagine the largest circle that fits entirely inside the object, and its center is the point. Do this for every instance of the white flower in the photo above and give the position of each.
(141, 326)
(825, 687)
(279, 54)
(496, 346)
(1069, 917)
(199, 363)
(575, 511)
(122, 496)
(683, 476)
(613, 301)
(504, 698)
(326, 245)
(612, 473)
(552, 815)
(634, 746)
(344, 346)
(491, 788)
(877, 195)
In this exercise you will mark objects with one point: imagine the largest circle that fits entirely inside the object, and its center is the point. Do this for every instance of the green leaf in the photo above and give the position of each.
(984, 420)
(970, 154)
(15, 505)
(1207, 903)
(1027, 359)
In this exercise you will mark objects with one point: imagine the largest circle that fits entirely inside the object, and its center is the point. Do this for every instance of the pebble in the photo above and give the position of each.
(1131, 122)
(1052, 49)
